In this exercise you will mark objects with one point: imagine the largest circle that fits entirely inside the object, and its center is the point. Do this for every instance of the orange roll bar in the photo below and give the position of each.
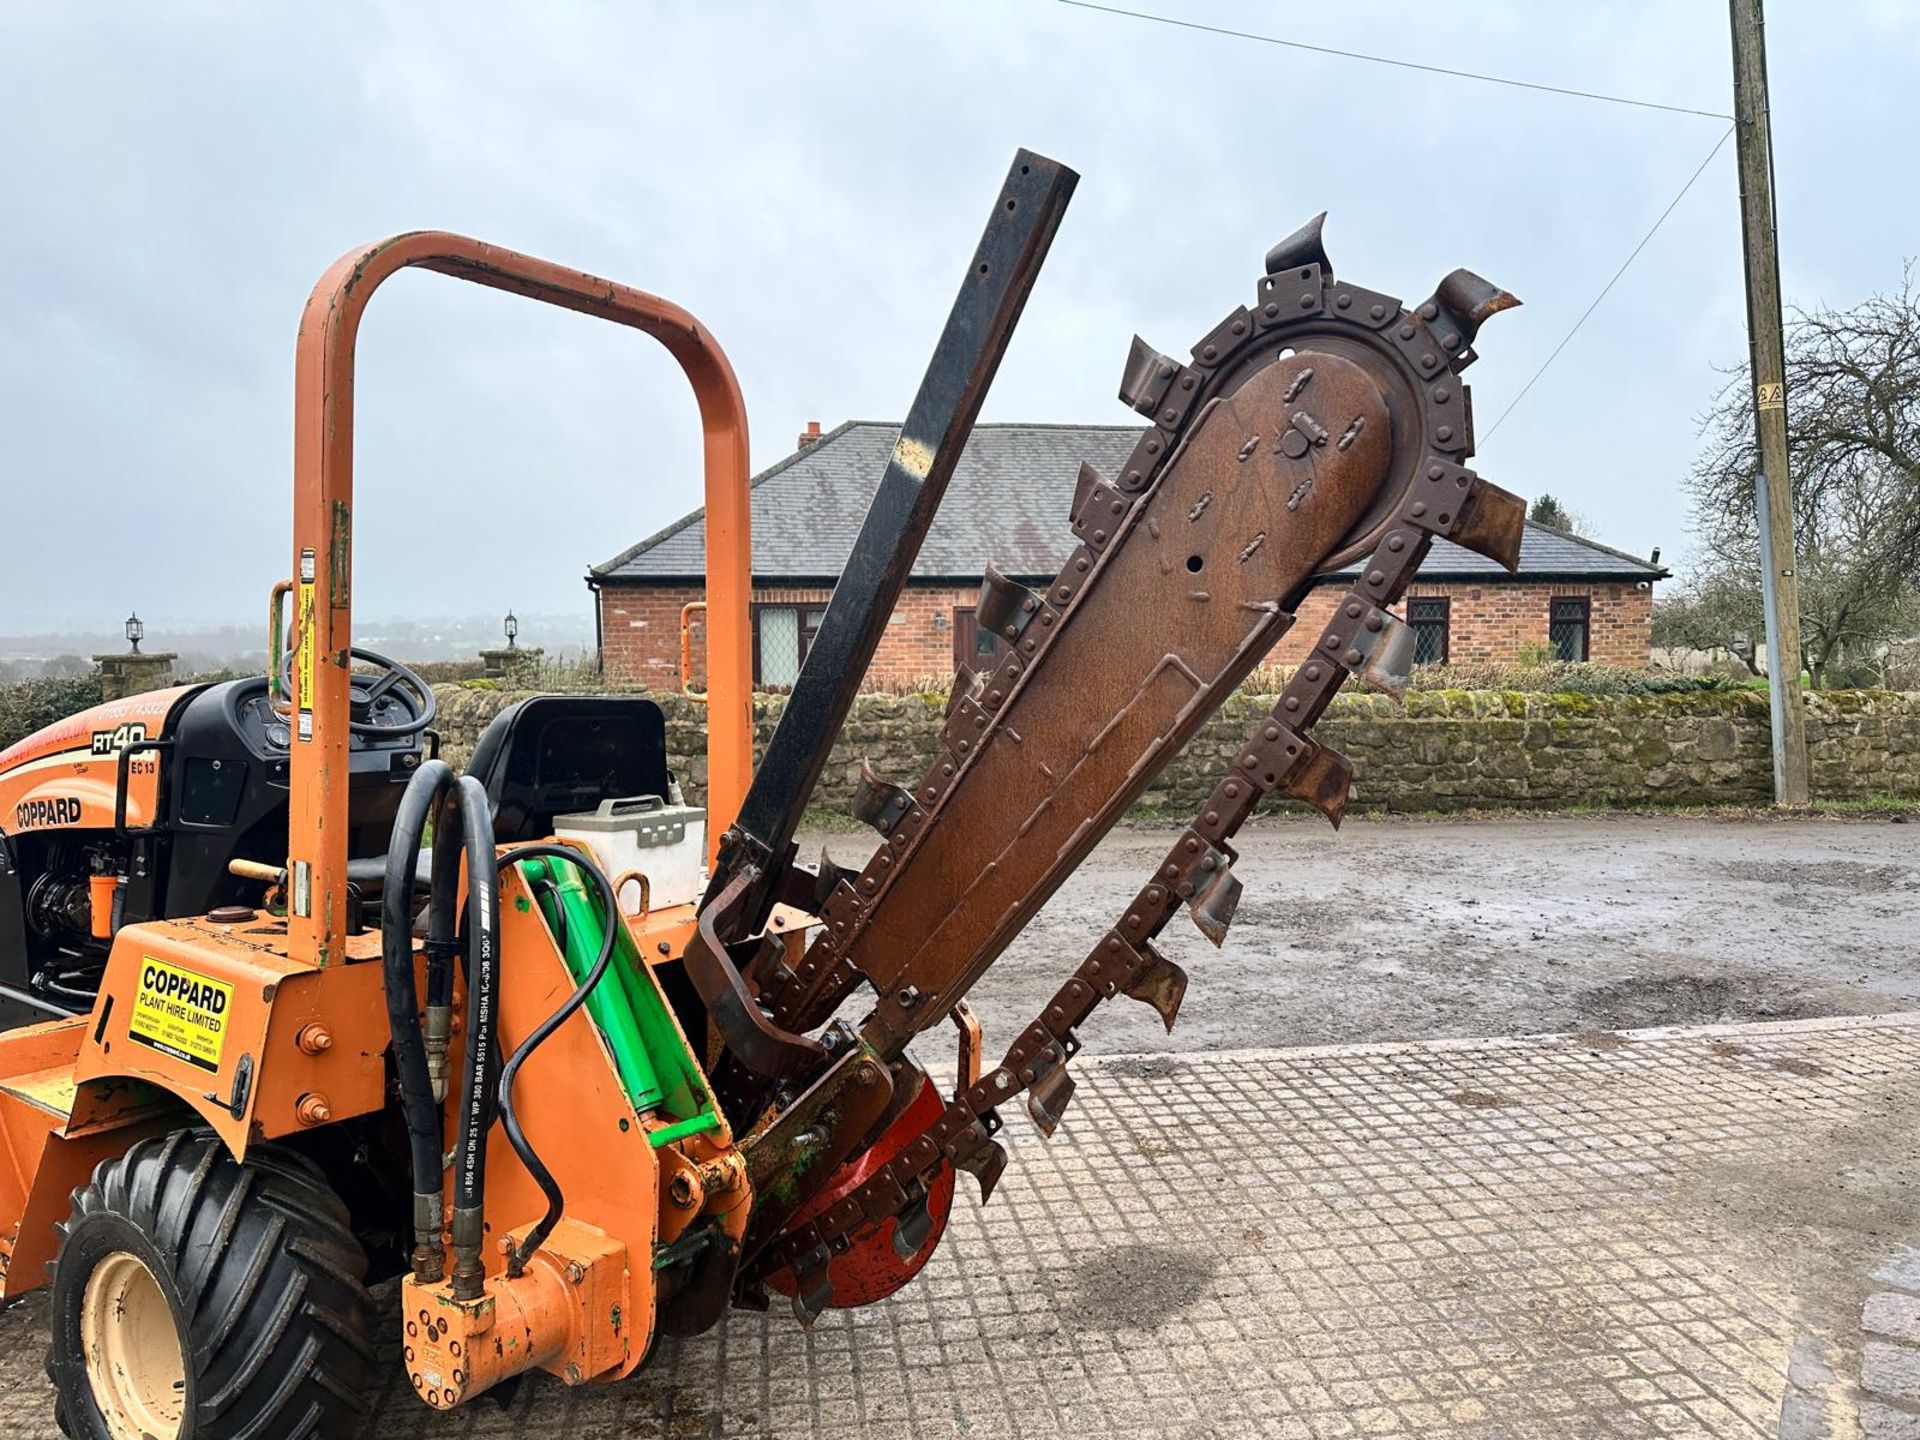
(323, 540)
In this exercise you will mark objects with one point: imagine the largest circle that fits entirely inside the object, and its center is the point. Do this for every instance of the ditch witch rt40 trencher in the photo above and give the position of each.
(578, 1076)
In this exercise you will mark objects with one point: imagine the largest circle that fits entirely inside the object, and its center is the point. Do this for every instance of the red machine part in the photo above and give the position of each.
(870, 1269)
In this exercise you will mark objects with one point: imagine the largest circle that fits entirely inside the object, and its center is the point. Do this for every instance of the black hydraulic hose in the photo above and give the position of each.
(478, 1100)
(510, 1122)
(444, 890)
(417, 1105)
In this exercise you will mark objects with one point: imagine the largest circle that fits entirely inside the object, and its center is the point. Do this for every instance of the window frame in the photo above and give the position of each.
(1585, 602)
(804, 634)
(1445, 602)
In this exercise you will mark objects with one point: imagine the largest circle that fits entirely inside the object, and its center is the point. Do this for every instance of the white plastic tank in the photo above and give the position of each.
(644, 836)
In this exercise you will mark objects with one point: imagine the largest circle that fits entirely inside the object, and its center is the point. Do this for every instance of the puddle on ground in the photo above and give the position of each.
(1857, 877)
(1142, 1067)
(1601, 1040)
(1137, 1287)
(1478, 1099)
(1806, 1069)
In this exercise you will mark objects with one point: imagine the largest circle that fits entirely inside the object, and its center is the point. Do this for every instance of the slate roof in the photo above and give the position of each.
(1007, 503)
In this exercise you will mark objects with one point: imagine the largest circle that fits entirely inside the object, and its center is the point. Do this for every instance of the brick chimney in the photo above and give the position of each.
(809, 436)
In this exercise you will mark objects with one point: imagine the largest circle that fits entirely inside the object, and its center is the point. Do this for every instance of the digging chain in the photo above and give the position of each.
(1277, 752)
(1430, 494)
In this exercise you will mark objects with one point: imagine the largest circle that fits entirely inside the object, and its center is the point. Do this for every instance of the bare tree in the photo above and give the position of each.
(1853, 434)
(1711, 611)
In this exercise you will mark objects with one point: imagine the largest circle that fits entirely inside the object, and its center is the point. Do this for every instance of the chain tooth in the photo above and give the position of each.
(1147, 378)
(812, 1285)
(986, 1165)
(879, 803)
(1048, 1097)
(1089, 483)
(1323, 780)
(911, 1227)
(1491, 523)
(1303, 247)
(967, 1064)
(1213, 905)
(1006, 607)
(1387, 656)
(965, 683)
(1457, 503)
(1162, 985)
(831, 876)
(1460, 306)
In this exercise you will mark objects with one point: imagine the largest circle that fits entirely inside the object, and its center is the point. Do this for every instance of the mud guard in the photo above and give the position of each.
(53, 1132)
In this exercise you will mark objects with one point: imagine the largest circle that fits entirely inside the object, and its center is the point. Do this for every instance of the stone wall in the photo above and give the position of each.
(1446, 750)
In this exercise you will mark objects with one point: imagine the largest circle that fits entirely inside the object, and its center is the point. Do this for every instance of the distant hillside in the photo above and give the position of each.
(204, 647)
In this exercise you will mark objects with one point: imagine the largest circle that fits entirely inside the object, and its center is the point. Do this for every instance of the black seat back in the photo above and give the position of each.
(556, 754)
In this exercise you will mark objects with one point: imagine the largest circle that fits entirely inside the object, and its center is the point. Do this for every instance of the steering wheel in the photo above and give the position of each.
(392, 673)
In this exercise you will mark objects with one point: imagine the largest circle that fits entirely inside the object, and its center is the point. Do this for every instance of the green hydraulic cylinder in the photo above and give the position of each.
(573, 913)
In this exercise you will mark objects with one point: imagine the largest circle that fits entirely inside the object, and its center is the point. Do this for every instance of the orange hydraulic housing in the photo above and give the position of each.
(303, 1033)
(585, 1307)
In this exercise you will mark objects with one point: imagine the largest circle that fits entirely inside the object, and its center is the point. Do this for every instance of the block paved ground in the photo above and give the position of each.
(1686, 1232)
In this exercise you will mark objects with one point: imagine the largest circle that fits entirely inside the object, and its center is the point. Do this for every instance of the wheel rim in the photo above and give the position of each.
(134, 1361)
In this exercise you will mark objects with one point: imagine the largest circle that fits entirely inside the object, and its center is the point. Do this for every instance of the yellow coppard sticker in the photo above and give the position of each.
(180, 1013)
(303, 661)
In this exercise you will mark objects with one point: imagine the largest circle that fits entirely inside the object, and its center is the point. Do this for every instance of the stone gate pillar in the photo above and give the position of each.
(129, 674)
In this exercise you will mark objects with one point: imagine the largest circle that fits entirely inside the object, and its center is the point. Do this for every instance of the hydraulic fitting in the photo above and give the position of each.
(469, 1272)
(430, 1250)
(439, 1029)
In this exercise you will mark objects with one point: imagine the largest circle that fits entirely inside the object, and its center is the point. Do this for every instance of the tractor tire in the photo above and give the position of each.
(197, 1298)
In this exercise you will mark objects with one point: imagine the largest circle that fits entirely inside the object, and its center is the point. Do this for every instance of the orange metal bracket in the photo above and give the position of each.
(686, 650)
(323, 539)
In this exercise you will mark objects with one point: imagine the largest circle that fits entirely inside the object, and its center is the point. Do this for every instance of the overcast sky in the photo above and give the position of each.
(809, 180)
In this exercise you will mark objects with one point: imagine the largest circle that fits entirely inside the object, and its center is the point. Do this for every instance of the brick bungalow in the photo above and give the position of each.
(1008, 504)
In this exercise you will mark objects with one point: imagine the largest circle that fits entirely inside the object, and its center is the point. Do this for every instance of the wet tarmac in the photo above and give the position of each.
(1411, 929)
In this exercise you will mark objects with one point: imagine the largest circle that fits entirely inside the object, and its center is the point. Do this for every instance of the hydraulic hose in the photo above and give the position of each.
(478, 1100)
(556, 1201)
(443, 942)
(442, 917)
(417, 1102)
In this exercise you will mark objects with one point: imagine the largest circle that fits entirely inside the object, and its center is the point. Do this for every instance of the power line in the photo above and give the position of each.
(1611, 283)
(1399, 64)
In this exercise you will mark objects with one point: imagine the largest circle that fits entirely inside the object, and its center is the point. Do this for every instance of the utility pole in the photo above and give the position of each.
(1766, 353)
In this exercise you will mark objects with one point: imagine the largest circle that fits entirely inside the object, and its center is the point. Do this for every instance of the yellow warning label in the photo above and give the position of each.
(180, 1013)
(303, 663)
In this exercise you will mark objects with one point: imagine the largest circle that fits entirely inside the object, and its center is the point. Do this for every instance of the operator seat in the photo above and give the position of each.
(557, 754)
(552, 755)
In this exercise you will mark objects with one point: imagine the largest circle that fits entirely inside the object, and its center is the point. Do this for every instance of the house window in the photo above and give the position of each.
(782, 635)
(973, 647)
(1431, 619)
(1568, 623)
